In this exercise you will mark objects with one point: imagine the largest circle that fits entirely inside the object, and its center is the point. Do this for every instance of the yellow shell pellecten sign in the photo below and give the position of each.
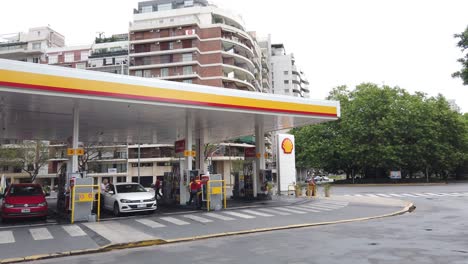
(287, 146)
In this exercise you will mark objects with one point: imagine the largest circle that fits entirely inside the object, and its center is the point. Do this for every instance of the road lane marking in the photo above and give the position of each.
(240, 215)
(40, 233)
(198, 218)
(218, 216)
(268, 210)
(256, 213)
(74, 230)
(174, 221)
(150, 223)
(116, 232)
(290, 210)
(6, 237)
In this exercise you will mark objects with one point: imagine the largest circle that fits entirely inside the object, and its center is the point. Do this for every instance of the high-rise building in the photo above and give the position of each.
(30, 46)
(287, 78)
(194, 42)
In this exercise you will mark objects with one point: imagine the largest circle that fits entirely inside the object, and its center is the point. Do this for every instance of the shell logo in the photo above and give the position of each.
(287, 146)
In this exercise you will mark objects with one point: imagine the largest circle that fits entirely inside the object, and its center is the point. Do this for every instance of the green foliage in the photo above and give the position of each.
(463, 45)
(385, 128)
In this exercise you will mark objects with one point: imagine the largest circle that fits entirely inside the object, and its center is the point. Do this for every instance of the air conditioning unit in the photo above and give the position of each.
(157, 43)
(179, 27)
(179, 41)
(152, 30)
(158, 30)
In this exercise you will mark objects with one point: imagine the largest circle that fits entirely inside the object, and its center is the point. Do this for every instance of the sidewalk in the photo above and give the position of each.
(162, 228)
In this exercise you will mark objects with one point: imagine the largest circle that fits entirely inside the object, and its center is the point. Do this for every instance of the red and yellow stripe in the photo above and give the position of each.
(61, 84)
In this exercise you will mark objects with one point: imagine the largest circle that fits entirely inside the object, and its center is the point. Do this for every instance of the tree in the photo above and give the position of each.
(382, 129)
(463, 45)
(91, 152)
(30, 156)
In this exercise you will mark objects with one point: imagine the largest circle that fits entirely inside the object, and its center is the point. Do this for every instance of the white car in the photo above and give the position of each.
(128, 197)
(322, 179)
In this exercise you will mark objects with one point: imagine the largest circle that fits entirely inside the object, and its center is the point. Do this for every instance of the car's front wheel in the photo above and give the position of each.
(116, 210)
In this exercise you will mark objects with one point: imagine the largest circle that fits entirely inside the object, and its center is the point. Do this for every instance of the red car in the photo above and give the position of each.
(24, 201)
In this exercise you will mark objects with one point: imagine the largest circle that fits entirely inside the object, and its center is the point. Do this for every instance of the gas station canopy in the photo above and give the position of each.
(37, 102)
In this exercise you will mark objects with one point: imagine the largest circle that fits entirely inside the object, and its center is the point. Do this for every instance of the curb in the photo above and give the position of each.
(389, 184)
(410, 207)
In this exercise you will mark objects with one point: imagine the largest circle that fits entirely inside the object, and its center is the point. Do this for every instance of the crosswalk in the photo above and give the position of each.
(133, 229)
(406, 195)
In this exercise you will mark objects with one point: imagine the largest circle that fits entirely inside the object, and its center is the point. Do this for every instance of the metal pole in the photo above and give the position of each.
(76, 126)
(138, 162)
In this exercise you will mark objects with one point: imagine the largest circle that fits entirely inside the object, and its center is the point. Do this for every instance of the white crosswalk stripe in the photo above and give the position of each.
(74, 230)
(6, 237)
(317, 207)
(305, 208)
(175, 221)
(40, 233)
(198, 218)
(236, 214)
(409, 195)
(371, 195)
(420, 194)
(396, 195)
(331, 206)
(150, 223)
(358, 195)
(273, 211)
(290, 210)
(256, 213)
(219, 216)
(117, 232)
(383, 195)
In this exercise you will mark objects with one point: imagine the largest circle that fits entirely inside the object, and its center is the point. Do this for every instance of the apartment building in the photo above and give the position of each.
(72, 57)
(287, 78)
(194, 42)
(30, 46)
(110, 54)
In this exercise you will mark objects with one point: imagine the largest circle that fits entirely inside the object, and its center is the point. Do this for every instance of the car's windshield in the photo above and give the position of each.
(25, 191)
(129, 188)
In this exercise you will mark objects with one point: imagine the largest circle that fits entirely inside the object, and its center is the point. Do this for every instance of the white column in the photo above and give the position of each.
(76, 129)
(52, 183)
(260, 149)
(187, 163)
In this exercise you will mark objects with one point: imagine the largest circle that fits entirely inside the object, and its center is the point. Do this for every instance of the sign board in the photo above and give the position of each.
(396, 175)
(179, 146)
(286, 161)
(111, 170)
(72, 151)
(250, 152)
(85, 197)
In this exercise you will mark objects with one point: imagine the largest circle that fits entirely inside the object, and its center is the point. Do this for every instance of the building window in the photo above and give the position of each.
(143, 164)
(84, 55)
(286, 72)
(35, 60)
(69, 57)
(187, 81)
(164, 72)
(286, 81)
(187, 70)
(147, 73)
(122, 179)
(286, 90)
(171, 45)
(81, 65)
(147, 9)
(139, 73)
(36, 46)
(188, 3)
(187, 57)
(53, 59)
(5, 168)
(164, 7)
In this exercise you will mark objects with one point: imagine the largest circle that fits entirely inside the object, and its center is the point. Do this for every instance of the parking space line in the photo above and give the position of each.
(240, 215)
(6, 237)
(273, 211)
(150, 223)
(74, 230)
(198, 218)
(175, 221)
(218, 216)
(40, 233)
(257, 213)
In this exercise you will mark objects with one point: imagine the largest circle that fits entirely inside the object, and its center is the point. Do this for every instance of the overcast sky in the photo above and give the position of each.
(394, 42)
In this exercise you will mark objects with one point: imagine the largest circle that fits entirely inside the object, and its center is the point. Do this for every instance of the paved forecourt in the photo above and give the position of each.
(59, 238)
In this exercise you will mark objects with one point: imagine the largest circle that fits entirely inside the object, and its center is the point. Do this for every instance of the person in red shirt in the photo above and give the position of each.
(157, 187)
(195, 187)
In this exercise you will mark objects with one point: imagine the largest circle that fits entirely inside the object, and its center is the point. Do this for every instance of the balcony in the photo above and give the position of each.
(100, 54)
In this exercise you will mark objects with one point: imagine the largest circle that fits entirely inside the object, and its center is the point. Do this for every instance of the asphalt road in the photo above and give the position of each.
(436, 232)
